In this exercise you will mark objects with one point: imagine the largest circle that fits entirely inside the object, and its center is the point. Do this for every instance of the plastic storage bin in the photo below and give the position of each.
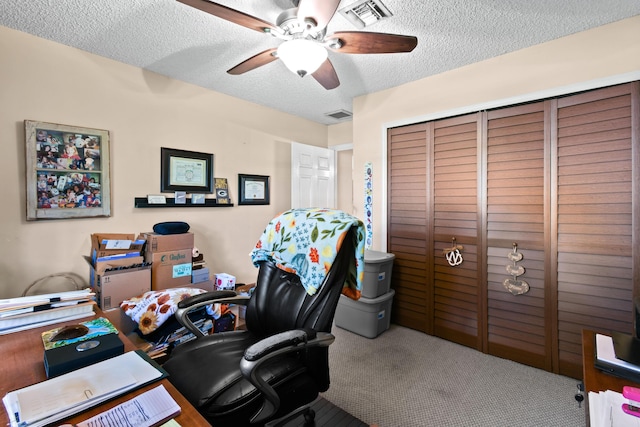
(377, 273)
(368, 317)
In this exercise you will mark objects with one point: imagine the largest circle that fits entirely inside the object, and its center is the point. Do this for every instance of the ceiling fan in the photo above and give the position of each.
(303, 29)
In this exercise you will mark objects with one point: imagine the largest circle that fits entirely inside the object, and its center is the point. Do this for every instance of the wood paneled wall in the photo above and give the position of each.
(560, 180)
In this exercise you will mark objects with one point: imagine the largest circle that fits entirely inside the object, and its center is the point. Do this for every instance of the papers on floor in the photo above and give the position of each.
(146, 410)
(605, 409)
(59, 397)
(19, 314)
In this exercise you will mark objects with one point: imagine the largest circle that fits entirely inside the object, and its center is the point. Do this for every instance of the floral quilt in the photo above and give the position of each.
(151, 309)
(306, 242)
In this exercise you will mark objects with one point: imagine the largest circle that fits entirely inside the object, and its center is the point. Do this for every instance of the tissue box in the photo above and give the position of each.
(225, 282)
(58, 361)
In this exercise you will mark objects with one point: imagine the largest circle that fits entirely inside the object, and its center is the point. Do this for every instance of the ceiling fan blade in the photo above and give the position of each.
(366, 42)
(230, 15)
(263, 58)
(320, 10)
(326, 75)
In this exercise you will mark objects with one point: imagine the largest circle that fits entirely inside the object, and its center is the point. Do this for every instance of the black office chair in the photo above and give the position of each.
(274, 370)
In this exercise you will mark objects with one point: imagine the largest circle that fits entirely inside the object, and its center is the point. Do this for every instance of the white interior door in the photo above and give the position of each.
(312, 177)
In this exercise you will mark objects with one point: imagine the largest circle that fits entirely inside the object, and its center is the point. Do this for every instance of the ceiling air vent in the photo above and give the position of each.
(339, 115)
(364, 13)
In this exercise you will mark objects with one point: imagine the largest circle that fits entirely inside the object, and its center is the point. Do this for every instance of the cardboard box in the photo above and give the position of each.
(106, 244)
(105, 263)
(114, 286)
(167, 242)
(171, 269)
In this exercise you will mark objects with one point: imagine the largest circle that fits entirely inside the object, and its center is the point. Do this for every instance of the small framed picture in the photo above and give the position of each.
(181, 198)
(197, 199)
(253, 189)
(156, 199)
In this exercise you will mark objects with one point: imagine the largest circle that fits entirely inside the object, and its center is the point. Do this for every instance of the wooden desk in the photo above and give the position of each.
(593, 378)
(22, 365)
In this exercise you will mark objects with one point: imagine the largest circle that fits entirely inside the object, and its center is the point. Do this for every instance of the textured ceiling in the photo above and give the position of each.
(186, 44)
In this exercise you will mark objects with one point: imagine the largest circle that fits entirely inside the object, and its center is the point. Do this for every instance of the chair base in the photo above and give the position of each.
(309, 415)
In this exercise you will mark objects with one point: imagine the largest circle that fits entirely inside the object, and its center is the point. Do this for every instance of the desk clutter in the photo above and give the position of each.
(57, 398)
(146, 410)
(612, 409)
(617, 354)
(22, 313)
(123, 265)
(147, 275)
(137, 282)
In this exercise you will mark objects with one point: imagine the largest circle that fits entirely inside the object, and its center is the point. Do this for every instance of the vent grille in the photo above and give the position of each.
(340, 114)
(365, 13)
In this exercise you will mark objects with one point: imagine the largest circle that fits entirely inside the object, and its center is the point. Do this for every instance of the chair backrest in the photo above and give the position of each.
(280, 302)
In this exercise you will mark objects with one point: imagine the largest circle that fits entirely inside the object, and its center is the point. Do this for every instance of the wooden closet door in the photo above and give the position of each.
(408, 234)
(595, 216)
(516, 205)
(457, 291)
(560, 178)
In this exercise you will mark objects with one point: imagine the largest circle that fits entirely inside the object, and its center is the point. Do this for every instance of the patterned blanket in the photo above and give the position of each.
(306, 242)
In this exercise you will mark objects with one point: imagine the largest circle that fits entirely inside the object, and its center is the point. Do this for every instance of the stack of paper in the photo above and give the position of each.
(149, 409)
(57, 398)
(605, 409)
(18, 314)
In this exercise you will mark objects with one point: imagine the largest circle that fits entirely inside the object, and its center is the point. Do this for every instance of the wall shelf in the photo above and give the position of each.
(141, 202)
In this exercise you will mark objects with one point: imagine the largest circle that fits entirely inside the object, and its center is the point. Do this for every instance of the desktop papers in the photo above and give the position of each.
(146, 410)
(57, 398)
(605, 409)
(18, 314)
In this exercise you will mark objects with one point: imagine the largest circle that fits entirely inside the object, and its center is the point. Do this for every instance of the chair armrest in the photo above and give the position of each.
(196, 301)
(268, 348)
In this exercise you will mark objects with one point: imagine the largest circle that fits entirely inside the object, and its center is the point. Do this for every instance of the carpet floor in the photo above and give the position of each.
(410, 379)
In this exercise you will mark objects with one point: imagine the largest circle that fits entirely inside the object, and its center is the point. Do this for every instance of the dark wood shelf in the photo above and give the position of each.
(141, 202)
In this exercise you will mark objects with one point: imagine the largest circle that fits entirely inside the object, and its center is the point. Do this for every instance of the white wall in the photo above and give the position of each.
(569, 63)
(143, 111)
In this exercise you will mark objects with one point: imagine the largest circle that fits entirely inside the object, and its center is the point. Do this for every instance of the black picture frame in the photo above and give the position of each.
(253, 189)
(182, 170)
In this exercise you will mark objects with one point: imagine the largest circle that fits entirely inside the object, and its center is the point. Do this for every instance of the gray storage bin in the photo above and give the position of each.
(377, 273)
(368, 317)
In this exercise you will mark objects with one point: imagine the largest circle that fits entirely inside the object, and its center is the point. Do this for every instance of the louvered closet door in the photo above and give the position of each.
(516, 214)
(456, 291)
(594, 214)
(407, 225)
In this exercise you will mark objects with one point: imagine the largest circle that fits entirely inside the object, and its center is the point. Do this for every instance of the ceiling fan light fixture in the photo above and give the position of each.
(302, 56)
